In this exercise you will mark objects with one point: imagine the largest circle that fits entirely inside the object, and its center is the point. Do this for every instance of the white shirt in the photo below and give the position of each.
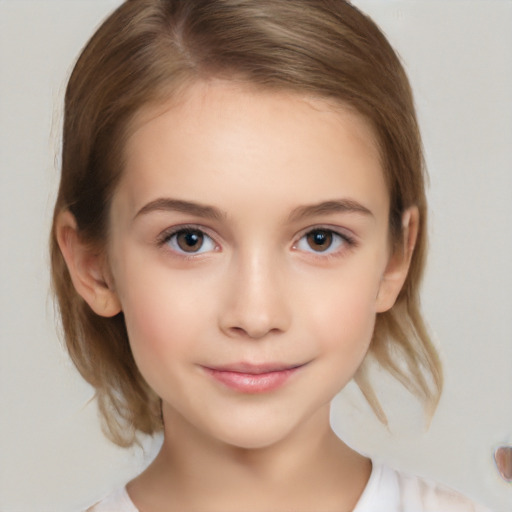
(387, 490)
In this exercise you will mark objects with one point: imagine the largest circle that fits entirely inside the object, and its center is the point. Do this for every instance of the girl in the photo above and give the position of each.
(240, 228)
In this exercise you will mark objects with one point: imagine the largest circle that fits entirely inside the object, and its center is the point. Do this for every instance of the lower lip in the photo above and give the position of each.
(252, 383)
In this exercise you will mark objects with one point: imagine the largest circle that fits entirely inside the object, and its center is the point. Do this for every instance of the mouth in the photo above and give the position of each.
(252, 379)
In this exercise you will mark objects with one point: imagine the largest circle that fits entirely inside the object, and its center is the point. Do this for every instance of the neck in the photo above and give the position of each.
(311, 469)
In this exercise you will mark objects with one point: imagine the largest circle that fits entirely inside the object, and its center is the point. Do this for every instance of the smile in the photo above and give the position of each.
(252, 379)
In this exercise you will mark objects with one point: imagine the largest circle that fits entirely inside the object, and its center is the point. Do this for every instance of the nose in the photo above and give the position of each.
(255, 301)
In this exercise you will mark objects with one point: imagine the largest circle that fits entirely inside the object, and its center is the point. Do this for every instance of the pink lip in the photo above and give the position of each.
(249, 378)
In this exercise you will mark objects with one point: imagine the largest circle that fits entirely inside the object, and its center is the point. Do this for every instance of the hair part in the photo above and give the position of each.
(148, 51)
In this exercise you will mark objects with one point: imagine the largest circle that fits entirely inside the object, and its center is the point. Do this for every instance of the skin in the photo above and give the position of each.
(256, 290)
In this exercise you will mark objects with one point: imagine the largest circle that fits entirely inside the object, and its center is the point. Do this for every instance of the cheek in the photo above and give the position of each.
(344, 315)
(162, 322)
(352, 321)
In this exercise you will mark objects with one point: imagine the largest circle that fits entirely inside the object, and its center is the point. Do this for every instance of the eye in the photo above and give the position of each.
(190, 241)
(322, 241)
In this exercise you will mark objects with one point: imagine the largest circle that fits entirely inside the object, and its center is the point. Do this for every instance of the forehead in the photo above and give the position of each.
(195, 100)
(222, 136)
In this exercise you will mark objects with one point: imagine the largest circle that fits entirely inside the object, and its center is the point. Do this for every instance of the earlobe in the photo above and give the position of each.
(398, 265)
(87, 267)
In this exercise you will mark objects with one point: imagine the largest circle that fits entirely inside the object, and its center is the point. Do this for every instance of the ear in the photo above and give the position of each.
(88, 268)
(398, 265)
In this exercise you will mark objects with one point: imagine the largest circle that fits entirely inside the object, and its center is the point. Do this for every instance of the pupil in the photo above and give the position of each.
(320, 240)
(190, 241)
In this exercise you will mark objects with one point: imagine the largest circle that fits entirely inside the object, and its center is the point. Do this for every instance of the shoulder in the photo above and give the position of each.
(433, 496)
(117, 501)
(389, 490)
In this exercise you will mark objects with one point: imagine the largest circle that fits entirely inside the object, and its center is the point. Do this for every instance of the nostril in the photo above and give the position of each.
(238, 331)
(253, 333)
(503, 459)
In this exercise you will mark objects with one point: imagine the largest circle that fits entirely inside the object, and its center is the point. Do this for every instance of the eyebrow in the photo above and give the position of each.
(165, 204)
(329, 207)
(210, 212)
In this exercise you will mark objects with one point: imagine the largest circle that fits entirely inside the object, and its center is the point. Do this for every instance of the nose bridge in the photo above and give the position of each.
(256, 303)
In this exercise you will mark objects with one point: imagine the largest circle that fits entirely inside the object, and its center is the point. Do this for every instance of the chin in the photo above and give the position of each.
(256, 439)
(253, 432)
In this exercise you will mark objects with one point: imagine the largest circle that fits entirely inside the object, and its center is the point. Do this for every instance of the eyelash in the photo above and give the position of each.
(346, 241)
(167, 236)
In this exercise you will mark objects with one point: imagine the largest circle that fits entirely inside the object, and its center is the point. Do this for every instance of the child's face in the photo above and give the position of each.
(249, 251)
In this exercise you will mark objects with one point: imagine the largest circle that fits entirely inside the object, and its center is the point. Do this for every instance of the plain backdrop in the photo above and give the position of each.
(53, 456)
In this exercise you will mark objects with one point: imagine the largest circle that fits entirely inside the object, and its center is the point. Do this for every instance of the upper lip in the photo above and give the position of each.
(254, 369)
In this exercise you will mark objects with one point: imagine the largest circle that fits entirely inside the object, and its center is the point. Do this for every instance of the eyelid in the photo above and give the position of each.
(349, 240)
(166, 235)
(338, 230)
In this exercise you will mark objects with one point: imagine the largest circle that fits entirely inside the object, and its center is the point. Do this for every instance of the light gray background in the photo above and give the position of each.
(53, 456)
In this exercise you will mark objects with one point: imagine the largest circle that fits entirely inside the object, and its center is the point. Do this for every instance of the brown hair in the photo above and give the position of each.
(147, 50)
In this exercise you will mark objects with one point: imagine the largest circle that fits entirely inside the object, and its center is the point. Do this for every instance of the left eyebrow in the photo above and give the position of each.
(329, 207)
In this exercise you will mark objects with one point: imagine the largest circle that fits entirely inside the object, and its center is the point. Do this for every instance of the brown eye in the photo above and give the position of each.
(320, 240)
(189, 240)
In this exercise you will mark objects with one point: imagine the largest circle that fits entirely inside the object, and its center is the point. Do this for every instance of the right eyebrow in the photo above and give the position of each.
(167, 204)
